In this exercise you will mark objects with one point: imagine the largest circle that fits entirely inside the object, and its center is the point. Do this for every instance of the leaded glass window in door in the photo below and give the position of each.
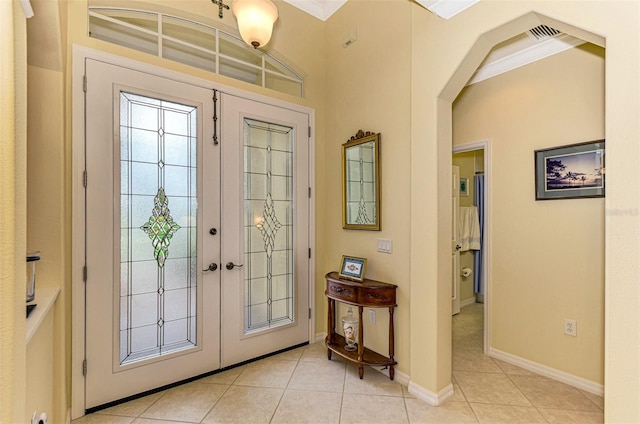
(268, 225)
(158, 230)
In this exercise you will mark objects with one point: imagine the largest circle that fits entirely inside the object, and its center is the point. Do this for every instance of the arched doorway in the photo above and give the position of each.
(541, 275)
(465, 42)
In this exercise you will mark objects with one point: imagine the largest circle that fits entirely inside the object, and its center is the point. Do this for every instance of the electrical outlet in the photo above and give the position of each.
(372, 316)
(570, 327)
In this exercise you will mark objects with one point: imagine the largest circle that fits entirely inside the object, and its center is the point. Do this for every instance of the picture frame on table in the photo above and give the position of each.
(352, 268)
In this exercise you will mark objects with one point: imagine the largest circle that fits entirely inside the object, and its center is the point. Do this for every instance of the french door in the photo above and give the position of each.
(265, 184)
(174, 221)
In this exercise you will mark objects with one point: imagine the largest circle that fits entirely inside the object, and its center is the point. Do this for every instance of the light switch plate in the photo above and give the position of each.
(384, 245)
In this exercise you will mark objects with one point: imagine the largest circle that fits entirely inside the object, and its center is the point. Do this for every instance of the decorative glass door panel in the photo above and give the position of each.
(152, 313)
(268, 226)
(158, 232)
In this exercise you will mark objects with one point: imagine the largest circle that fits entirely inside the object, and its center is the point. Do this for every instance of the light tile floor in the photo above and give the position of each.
(302, 386)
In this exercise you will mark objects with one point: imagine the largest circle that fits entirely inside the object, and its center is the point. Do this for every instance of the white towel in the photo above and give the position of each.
(469, 228)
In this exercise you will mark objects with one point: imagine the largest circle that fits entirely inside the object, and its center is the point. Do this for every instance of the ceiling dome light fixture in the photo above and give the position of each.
(255, 20)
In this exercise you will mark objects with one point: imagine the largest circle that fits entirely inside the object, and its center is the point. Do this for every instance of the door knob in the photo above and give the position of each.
(213, 231)
(458, 246)
(212, 267)
(231, 265)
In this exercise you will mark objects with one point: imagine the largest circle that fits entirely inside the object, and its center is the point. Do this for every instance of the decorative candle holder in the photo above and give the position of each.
(350, 327)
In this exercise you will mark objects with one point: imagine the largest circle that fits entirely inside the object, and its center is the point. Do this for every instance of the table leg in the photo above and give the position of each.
(330, 325)
(391, 339)
(360, 343)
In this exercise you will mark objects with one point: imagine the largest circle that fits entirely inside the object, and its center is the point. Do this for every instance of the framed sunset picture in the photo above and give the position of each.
(572, 171)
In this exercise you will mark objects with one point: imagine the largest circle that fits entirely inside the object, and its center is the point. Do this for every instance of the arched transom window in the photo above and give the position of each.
(192, 43)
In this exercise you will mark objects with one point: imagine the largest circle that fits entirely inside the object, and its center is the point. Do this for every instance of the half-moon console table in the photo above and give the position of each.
(371, 294)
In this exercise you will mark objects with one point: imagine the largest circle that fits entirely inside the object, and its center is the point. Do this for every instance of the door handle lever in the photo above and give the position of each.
(212, 267)
(231, 265)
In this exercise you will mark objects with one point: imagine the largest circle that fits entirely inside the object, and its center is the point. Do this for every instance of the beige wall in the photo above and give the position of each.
(13, 204)
(368, 88)
(449, 52)
(47, 212)
(547, 258)
(45, 174)
(466, 162)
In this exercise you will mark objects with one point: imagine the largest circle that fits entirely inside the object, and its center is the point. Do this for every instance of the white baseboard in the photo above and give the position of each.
(433, 399)
(467, 302)
(570, 379)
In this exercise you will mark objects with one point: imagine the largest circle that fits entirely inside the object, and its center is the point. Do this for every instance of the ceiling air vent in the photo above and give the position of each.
(542, 32)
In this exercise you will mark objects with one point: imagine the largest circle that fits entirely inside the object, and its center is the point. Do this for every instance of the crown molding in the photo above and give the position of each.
(28, 10)
(528, 55)
(446, 9)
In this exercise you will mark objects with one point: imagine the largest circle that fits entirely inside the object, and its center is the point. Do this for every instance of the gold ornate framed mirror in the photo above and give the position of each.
(361, 182)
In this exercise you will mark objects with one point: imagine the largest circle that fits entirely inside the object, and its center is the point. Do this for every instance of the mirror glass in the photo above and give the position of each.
(361, 182)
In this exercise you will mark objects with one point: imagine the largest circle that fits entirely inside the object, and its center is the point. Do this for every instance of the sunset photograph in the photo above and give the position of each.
(574, 171)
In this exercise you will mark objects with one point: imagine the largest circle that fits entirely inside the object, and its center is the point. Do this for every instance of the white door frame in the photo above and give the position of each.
(486, 261)
(455, 240)
(80, 53)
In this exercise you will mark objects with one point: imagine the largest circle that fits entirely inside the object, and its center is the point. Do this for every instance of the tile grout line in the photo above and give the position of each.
(284, 389)
(344, 385)
(216, 402)
(404, 402)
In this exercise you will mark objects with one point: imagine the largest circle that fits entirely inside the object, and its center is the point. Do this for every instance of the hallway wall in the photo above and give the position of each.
(547, 257)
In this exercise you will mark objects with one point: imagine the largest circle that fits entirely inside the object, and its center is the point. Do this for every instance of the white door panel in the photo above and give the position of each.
(265, 219)
(149, 205)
